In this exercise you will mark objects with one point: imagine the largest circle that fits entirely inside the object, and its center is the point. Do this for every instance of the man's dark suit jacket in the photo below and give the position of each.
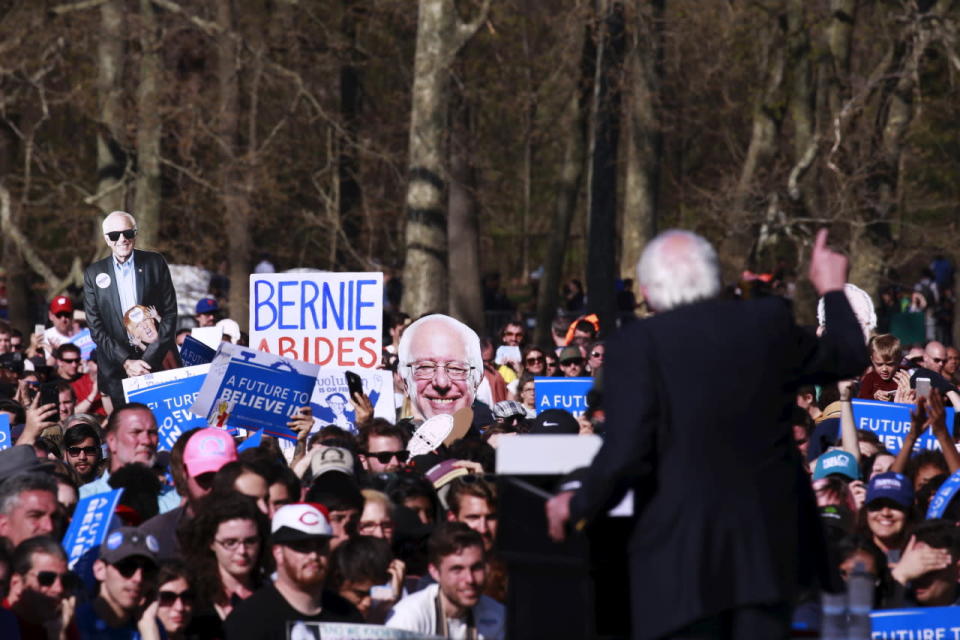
(697, 401)
(105, 318)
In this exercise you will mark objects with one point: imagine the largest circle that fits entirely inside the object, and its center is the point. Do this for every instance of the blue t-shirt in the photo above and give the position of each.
(92, 627)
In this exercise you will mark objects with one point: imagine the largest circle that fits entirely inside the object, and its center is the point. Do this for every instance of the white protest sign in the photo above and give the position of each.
(331, 401)
(210, 336)
(329, 319)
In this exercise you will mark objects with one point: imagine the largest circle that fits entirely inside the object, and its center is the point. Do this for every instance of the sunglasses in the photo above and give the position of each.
(76, 451)
(385, 456)
(129, 566)
(70, 360)
(67, 579)
(534, 360)
(64, 314)
(129, 234)
(320, 545)
(567, 363)
(596, 354)
(167, 598)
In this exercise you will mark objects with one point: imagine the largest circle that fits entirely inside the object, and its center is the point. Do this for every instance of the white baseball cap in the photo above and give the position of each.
(299, 521)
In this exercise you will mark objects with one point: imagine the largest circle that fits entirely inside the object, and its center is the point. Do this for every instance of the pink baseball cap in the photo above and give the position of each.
(207, 451)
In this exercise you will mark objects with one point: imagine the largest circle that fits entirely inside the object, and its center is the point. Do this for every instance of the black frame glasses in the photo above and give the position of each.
(129, 566)
(386, 456)
(129, 234)
(67, 579)
(90, 451)
(167, 598)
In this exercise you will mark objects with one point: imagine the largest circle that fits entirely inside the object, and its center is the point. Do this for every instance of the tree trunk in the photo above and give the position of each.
(567, 190)
(349, 200)
(440, 35)
(149, 130)
(466, 295)
(236, 203)
(18, 310)
(111, 158)
(644, 139)
(602, 207)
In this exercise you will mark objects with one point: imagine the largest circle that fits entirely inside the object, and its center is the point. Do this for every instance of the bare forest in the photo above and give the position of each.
(438, 140)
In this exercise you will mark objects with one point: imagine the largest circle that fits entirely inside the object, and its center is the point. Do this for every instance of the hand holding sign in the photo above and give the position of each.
(302, 423)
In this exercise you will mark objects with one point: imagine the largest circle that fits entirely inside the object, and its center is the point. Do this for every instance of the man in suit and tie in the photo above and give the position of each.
(113, 286)
(697, 399)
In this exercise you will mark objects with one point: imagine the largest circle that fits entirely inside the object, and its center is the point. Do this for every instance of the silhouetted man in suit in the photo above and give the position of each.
(110, 288)
(697, 399)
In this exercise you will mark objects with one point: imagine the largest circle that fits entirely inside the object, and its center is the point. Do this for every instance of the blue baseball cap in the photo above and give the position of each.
(207, 305)
(836, 462)
(892, 486)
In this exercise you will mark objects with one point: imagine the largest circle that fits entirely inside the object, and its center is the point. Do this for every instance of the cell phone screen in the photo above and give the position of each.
(354, 383)
(49, 394)
(923, 388)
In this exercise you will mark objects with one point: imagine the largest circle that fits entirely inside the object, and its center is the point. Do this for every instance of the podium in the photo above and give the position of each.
(577, 589)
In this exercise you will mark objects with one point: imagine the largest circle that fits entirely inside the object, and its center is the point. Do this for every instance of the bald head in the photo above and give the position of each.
(934, 355)
(120, 234)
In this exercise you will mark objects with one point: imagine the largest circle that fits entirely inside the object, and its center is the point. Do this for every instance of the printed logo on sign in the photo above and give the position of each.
(103, 280)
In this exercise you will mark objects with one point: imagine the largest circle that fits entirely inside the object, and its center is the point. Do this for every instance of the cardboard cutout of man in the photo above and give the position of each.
(111, 287)
(441, 365)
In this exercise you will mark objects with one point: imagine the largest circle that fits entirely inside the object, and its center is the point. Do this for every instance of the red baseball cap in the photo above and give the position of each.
(61, 303)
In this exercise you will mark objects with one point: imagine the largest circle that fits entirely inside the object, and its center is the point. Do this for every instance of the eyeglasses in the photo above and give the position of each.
(129, 234)
(232, 544)
(129, 566)
(427, 370)
(167, 598)
(527, 390)
(76, 451)
(534, 360)
(385, 456)
(70, 360)
(596, 354)
(67, 579)
(365, 528)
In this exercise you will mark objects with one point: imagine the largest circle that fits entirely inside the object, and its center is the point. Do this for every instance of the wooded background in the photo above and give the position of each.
(438, 140)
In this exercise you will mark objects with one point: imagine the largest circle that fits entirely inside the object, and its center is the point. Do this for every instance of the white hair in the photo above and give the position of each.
(469, 337)
(677, 268)
(113, 214)
(862, 305)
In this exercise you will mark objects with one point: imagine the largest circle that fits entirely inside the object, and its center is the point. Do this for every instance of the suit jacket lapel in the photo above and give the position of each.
(138, 266)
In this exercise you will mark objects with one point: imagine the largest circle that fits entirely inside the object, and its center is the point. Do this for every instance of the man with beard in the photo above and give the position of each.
(41, 590)
(300, 539)
(441, 365)
(81, 444)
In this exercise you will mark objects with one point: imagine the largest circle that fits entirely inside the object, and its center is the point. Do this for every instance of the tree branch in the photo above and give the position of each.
(61, 9)
(466, 30)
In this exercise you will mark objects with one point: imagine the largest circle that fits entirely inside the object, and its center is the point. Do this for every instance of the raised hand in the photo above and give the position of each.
(828, 269)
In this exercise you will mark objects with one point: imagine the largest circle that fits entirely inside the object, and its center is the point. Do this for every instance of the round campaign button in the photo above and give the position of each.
(103, 280)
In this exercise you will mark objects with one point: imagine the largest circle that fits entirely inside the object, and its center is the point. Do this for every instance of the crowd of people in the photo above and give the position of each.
(219, 539)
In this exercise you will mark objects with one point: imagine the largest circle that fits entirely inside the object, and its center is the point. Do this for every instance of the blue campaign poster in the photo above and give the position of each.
(194, 352)
(170, 394)
(891, 422)
(944, 496)
(252, 441)
(84, 340)
(928, 623)
(91, 520)
(6, 440)
(569, 394)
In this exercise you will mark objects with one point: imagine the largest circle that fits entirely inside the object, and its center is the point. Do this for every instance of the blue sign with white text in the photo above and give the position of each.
(253, 441)
(192, 352)
(944, 496)
(91, 520)
(928, 623)
(891, 422)
(84, 341)
(6, 440)
(259, 396)
(170, 402)
(569, 394)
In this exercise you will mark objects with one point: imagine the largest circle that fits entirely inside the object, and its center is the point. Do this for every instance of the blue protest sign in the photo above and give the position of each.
(170, 394)
(928, 623)
(252, 441)
(6, 440)
(943, 496)
(569, 394)
(84, 340)
(891, 422)
(194, 352)
(91, 519)
(255, 390)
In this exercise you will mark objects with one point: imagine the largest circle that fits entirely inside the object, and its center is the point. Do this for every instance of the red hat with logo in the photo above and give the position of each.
(61, 303)
(299, 521)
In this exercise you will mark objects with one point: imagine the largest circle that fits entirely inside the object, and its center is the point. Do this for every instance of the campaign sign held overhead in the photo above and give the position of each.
(891, 422)
(331, 403)
(84, 341)
(328, 319)
(169, 394)
(90, 523)
(194, 352)
(569, 394)
(6, 440)
(255, 390)
(928, 623)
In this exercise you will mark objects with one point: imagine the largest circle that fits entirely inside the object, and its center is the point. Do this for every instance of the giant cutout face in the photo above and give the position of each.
(441, 365)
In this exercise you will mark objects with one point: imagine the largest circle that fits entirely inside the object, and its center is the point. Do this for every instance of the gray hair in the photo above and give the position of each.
(677, 268)
(117, 214)
(471, 343)
(11, 488)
